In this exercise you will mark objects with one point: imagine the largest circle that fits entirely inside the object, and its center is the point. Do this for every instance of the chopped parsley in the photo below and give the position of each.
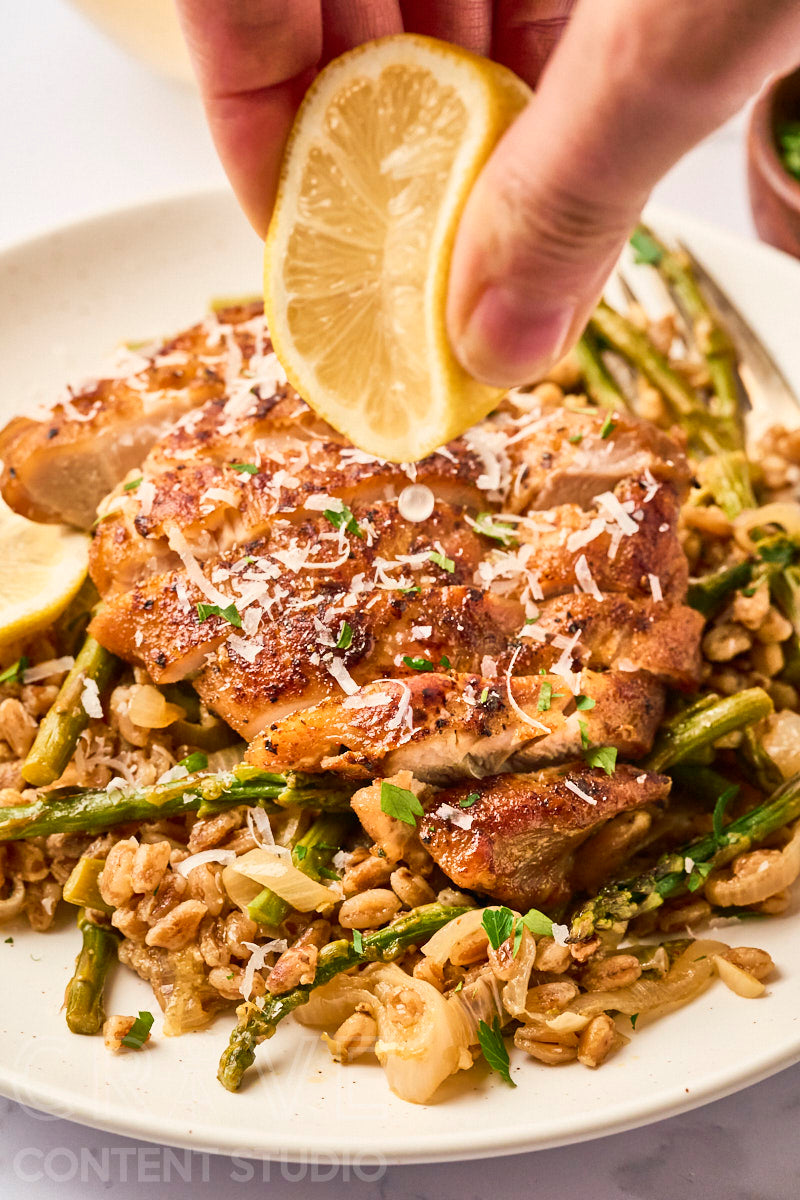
(484, 695)
(584, 703)
(244, 468)
(469, 800)
(229, 614)
(608, 427)
(494, 1049)
(139, 1031)
(410, 591)
(14, 673)
(576, 439)
(634, 1019)
(447, 564)
(196, 761)
(602, 756)
(538, 923)
(719, 812)
(400, 803)
(545, 697)
(9, 941)
(500, 531)
(345, 637)
(585, 739)
(358, 941)
(498, 923)
(134, 483)
(343, 520)
(418, 664)
(646, 248)
(328, 873)
(299, 852)
(444, 661)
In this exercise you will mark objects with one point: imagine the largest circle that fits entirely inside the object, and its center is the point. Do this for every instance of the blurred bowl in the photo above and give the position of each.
(774, 192)
(148, 29)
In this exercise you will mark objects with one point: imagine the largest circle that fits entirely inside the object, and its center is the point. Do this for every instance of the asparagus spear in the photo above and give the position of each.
(703, 724)
(385, 945)
(83, 885)
(710, 338)
(311, 854)
(600, 383)
(63, 724)
(709, 594)
(88, 811)
(83, 1000)
(669, 877)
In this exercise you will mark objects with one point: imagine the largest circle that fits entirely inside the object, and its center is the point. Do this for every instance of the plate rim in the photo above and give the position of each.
(460, 1145)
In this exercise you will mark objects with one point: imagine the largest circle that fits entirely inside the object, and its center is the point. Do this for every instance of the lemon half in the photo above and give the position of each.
(385, 148)
(41, 569)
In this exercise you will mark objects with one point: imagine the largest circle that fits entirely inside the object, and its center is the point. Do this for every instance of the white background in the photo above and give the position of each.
(83, 128)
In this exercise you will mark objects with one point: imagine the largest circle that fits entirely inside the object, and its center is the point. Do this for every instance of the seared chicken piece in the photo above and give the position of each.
(290, 464)
(630, 635)
(61, 467)
(519, 842)
(444, 727)
(563, 456)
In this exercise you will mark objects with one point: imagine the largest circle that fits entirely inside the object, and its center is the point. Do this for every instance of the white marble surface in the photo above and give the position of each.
(83, 129)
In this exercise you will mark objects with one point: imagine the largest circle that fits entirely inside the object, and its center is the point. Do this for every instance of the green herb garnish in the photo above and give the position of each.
(343, 520)
(230, 613)
(134, 483)
(602, 756)
(584, 703)
(447, 564)
(498, 923)
(14, 673)
(400, 803)
(345, 637)
(500, 531)
(484, 695)
(647, 249)
(418, 664)
(244, 468)
(608, 427)
(139, 1031)
(494, 1049)
(469, 800)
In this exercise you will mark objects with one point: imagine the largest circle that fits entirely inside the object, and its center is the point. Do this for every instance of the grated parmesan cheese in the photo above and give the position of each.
(90, 698)
(586, 580)
(204, 856)
(455, 816)
(655, 588)
(573, 787)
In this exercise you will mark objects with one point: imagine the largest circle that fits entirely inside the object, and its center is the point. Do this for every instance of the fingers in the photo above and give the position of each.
(468, 23)
(526, 34)
(628, 90)
(348, 23)
(254, 60)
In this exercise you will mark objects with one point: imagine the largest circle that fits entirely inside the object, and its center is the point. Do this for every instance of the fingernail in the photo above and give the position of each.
(510, 340)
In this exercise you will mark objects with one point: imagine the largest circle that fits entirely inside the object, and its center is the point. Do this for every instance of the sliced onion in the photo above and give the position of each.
(445, 941)
(422, 1037)
(690, 975)
(782, 512)
(778, 872)
(241, 891)
(268, 867)
(515, 991)
(149, 708)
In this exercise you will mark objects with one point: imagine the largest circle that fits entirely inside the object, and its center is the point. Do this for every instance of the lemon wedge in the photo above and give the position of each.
(384, 150)
(43, 566)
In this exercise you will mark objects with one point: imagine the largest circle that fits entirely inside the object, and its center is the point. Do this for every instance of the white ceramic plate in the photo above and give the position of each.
(65, 300)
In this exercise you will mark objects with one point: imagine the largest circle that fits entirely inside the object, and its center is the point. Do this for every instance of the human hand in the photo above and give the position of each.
(628, 89)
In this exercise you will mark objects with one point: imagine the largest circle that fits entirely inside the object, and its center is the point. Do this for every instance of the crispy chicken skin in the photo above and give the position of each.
(444, 727)
(60, 468)
(519, 841)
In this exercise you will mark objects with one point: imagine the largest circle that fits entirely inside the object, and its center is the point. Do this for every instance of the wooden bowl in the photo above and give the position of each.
(774, 193)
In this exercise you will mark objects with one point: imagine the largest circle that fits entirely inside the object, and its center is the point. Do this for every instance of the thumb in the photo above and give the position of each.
(627, 92)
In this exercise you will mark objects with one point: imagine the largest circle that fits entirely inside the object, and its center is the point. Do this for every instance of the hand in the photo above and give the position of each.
(628, 89)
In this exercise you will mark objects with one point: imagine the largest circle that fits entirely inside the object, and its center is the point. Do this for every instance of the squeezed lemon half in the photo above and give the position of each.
(385, 148)
(41, 569)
